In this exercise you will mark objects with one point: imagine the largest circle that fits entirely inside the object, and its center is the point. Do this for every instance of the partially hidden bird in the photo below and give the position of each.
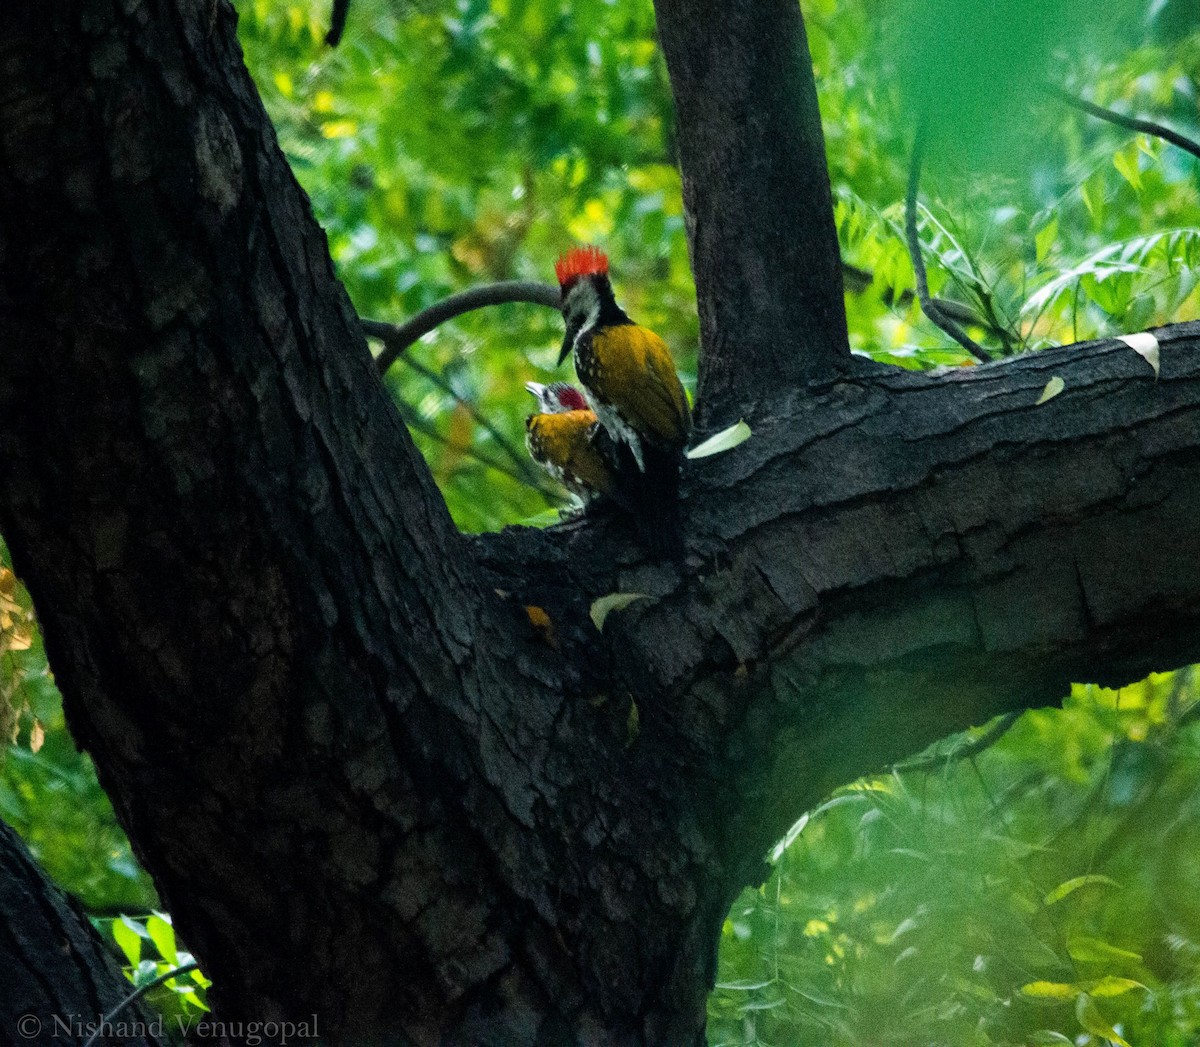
(564, 437)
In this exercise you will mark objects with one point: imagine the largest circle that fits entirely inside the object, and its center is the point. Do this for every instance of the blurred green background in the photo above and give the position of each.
(1041, 888)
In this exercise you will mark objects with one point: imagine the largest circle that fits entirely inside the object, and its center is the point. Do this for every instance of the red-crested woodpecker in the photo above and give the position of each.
(562, 438)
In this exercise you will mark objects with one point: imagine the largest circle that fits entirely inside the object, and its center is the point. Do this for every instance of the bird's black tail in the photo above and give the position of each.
(655, 495)
(650, 497)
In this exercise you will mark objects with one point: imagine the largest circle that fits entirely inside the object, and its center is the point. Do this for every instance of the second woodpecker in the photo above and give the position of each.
(626, 370)
(562, 437)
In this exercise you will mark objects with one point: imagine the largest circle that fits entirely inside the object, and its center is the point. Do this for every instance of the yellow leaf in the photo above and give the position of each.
(1049, 991)
(37, 736)
(1053, 388)
(340, 129)
(605, 605)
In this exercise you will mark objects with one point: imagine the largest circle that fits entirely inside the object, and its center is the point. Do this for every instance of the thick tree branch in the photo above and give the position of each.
(58, 976)
(902, 556)
(757, 198)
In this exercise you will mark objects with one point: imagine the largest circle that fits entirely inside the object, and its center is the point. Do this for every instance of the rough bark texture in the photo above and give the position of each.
(364, 783)
(757, 198)
(58, 980)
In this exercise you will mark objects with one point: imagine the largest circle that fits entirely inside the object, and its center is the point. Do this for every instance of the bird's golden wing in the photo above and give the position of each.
(634, 372)
(564, 441)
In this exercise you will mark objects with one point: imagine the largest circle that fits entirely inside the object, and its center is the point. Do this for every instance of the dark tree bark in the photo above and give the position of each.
(757, 200)
(58, 980)
(364, 784)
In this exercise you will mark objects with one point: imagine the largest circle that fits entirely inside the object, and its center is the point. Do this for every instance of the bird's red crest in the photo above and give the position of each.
(570, 397)
(580, 261)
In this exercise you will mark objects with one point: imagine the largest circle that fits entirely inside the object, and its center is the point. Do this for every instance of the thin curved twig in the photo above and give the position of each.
(136, 995)
(417, 424)
(521, 461)
(398, 337)
(928, 306)
(857, 280)
(1130, 123)
(967, 750)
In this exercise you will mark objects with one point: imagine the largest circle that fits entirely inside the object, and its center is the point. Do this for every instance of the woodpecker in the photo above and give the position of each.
(563, 438)
(626, 369)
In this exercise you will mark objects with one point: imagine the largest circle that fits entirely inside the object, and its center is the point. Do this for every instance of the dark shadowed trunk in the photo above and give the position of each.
(364, 784)
(58, 980)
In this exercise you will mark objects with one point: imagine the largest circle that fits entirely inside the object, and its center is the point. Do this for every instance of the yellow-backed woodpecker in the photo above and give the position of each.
(562, 438)
(626, 370)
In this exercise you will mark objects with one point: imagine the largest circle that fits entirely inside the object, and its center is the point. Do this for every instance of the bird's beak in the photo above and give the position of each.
(565, 351)
(536, 388)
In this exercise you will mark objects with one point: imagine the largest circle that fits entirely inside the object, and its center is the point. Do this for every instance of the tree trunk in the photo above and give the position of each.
(58, 980)
(364, 784)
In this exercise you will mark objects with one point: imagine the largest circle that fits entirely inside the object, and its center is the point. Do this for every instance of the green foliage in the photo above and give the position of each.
(149, 952)
(1036, 893)
(1042, 892)
(48, 789)
(446, 145)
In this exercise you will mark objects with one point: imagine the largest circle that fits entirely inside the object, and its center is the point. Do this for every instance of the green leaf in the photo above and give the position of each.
(1045, 238)
(158, 926)
(1126, 162)
(1053, 388)
(1110, 986)
(128, 935)
(1049, 1036)
(725, 440)
(1094, 950)
(1050, 990)
(1094, 1022)
(1072, 885)
(605, 605)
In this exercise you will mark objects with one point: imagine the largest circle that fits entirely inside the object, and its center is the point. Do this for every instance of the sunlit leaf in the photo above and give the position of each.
(725, 440)
(1094, 1022)
(128, 936)
(161, 932)
(1112, 986)
(1075, 883)
(1050, 990)
(1053, 388)
(1145, 345)
(605, 605)
(1094, 950)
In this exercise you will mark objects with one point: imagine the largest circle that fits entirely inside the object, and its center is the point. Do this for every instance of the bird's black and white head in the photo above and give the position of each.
(557, 397)
(587, 296)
